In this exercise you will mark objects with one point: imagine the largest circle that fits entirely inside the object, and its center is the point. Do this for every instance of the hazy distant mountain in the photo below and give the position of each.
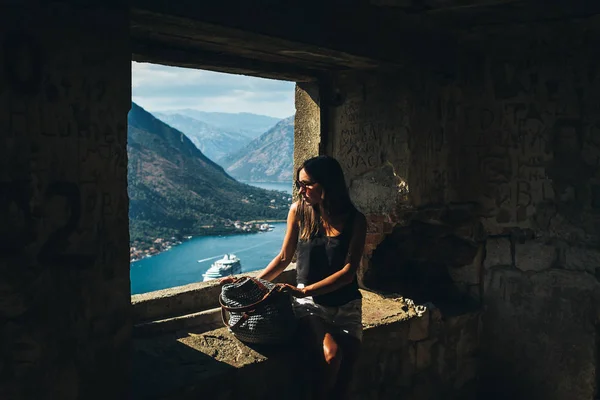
(214, 142)
(252, 125)
(175, 189)
(267, 158)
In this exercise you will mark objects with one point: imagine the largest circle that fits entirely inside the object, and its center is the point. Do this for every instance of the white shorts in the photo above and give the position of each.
(346, 318)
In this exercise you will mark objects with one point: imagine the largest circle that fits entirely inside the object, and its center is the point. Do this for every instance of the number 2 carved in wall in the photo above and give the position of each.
(54, 249)
(16, 195)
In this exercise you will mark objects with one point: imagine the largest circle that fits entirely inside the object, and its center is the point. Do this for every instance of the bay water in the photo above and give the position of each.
(187, 262)
(281, 186)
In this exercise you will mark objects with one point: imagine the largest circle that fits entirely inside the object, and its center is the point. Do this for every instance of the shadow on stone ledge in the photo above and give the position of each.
(420, 257)
(182, 365)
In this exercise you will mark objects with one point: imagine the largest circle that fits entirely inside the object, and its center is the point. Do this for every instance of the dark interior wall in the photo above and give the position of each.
(515, 130)
(65, 90)
(533, 135)
(508, 132)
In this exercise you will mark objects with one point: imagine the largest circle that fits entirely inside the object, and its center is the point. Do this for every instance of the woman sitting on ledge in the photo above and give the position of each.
(329, 234)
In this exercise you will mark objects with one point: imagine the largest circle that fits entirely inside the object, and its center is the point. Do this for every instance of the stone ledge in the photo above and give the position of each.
(216, 365)
(188, 299)
(202, 321)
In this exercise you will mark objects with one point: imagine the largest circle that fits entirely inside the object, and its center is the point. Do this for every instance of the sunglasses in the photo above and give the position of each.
(304, 184)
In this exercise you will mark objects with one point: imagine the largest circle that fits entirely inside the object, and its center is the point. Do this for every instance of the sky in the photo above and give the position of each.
(160, 88)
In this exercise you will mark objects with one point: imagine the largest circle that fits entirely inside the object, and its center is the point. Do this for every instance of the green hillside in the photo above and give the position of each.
(175, 190)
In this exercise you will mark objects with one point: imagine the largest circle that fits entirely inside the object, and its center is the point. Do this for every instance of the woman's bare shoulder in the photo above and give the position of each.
(295, 205)
(293, 213)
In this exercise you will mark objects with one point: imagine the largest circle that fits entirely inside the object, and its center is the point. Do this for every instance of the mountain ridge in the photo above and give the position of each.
(214, 142)
(268, 158)
(250, 124)
(175, 189)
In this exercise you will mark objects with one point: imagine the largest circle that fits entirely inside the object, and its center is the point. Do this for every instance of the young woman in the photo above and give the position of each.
(328, 233)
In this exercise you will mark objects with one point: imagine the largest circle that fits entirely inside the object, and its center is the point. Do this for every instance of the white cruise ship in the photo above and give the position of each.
(228, 265)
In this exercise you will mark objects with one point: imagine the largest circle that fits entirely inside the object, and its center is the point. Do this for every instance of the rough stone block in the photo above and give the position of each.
(419, 327)
(440, 366)
(581, 259)
(457, 323)
(475, 292)
(538, 333)
(470, 273)
(466, 371)
(436, 322)
(425, 387)
(409, 365)
(471, 230)
(497, 252)
(424, 354)
(468, 341)
(535, 256)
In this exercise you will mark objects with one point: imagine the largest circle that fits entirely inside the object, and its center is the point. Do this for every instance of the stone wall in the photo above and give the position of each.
(372, 131)
(64, 269)
(526, 120)
(307, 124)
(509, 131)
(409, 352)
(434, 356)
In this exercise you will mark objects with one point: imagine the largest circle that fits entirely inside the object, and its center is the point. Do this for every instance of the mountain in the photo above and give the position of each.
(251, 125)
(174, 189)
(214, 142)
(267, 158)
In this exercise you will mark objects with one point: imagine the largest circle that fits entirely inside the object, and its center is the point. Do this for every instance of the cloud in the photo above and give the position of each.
(160, 88)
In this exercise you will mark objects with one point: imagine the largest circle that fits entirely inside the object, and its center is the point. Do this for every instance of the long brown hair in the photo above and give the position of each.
(327, 172)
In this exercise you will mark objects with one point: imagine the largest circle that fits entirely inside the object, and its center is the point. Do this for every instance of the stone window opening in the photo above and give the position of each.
(217, 154)
(180, 346)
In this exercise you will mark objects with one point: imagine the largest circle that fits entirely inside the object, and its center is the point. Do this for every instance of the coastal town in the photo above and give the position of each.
(144, 249)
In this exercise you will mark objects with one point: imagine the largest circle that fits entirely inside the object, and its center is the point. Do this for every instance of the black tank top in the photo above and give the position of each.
(321, 256)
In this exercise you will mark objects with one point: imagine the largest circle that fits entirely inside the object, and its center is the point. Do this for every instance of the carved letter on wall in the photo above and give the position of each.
(52, 252)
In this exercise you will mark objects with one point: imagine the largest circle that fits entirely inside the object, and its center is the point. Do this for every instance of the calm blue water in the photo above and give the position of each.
(283, 186)
(180, 266)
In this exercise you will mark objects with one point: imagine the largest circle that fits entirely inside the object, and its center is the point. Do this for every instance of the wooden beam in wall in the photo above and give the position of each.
(189, 33)
(334, 35)
(352, 33)
(162, 53)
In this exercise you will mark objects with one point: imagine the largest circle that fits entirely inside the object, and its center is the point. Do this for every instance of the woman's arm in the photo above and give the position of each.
(283, 259)
(348, 273)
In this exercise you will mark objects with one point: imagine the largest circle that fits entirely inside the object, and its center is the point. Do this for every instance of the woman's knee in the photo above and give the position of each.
(331, 351)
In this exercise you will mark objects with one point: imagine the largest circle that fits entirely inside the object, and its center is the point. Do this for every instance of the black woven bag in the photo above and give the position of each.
(259, 311)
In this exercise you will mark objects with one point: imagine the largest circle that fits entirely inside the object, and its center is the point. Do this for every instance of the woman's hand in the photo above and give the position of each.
(295, 291)
(227, 279)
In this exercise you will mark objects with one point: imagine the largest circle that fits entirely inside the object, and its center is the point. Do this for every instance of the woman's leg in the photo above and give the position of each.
(348, 321)
(328, 355)
(351, 347)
